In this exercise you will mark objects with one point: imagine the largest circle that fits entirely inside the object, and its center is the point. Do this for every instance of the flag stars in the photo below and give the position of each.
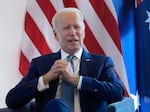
(148, 19)
(136, 99)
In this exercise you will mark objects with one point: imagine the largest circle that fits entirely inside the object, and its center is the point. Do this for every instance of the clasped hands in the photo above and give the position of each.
(61, 69)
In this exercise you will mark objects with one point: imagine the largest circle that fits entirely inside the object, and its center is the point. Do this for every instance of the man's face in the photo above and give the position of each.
(70, 32)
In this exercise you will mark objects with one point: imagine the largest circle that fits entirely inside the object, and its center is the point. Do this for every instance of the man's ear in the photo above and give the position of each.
(55, 35)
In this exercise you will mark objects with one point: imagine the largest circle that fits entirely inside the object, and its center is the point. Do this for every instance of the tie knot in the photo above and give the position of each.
(70, 57)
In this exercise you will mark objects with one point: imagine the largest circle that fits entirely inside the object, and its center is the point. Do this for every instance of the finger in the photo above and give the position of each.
(60, 64)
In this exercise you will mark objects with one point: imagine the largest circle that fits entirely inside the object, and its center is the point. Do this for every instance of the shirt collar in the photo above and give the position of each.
(77, 54)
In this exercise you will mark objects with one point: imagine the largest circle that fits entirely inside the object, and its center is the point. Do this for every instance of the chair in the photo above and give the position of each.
(126, 105)
(30, 107)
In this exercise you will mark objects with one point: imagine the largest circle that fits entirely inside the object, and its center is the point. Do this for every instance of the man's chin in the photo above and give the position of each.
(74, 50)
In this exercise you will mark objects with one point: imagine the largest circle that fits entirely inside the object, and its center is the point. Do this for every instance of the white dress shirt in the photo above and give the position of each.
(41, 86)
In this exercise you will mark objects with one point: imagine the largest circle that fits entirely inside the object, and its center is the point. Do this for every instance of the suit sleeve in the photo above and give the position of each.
(24, 91)
(102, 83)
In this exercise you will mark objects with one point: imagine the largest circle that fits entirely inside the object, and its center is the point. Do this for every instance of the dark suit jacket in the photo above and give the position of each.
(100, 85)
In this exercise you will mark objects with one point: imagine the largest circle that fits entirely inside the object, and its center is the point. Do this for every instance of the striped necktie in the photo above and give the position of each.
(67, 89)
(76, 92)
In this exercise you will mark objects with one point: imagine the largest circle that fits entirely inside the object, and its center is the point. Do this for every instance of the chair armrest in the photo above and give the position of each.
(30, 107)
(10, 110)
(125, 105)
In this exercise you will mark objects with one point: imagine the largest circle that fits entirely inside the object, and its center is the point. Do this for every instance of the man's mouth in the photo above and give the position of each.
(73, 40)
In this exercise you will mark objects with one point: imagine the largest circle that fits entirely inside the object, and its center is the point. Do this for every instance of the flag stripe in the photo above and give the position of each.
(91, 41)
(69, 3)
(28, 48)
(111, 25)
(35, 35)
(47, 8)
(137, 2)
(44, 26)
(24, 64)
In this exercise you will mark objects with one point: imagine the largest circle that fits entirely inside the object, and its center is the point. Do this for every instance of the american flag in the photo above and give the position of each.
(137, 2)
(102, 32)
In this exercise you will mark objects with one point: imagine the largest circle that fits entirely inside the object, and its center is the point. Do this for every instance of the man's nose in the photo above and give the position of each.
(72, 30)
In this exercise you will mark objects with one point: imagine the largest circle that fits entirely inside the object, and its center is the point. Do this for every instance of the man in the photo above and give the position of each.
(92, 76)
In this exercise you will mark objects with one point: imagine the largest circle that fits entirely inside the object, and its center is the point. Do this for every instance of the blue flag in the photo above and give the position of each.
(134, 25)
(142, 25)
(125, 12)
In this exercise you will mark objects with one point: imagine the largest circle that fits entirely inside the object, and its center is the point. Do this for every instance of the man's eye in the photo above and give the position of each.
(77, 27)
(67, 27)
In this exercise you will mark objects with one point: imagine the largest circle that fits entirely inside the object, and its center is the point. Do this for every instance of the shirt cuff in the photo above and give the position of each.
(80, 82)
(41, 86)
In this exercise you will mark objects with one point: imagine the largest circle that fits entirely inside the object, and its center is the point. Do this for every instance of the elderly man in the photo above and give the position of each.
(71, 78)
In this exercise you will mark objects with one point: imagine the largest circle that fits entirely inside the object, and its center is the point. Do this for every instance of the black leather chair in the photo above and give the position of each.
(126, 105)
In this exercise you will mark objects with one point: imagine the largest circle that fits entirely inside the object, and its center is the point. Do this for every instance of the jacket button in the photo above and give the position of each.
(95, 90)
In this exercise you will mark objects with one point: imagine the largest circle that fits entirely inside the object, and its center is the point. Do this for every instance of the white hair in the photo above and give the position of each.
(68, 9)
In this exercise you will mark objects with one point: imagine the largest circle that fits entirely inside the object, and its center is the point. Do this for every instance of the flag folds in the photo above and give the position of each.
(142, 28)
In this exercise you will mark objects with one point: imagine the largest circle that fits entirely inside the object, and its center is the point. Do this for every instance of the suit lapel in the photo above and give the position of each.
(57, 56)
(86, 62)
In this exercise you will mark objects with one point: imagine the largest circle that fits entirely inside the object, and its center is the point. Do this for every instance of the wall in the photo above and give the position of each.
(12, 14)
